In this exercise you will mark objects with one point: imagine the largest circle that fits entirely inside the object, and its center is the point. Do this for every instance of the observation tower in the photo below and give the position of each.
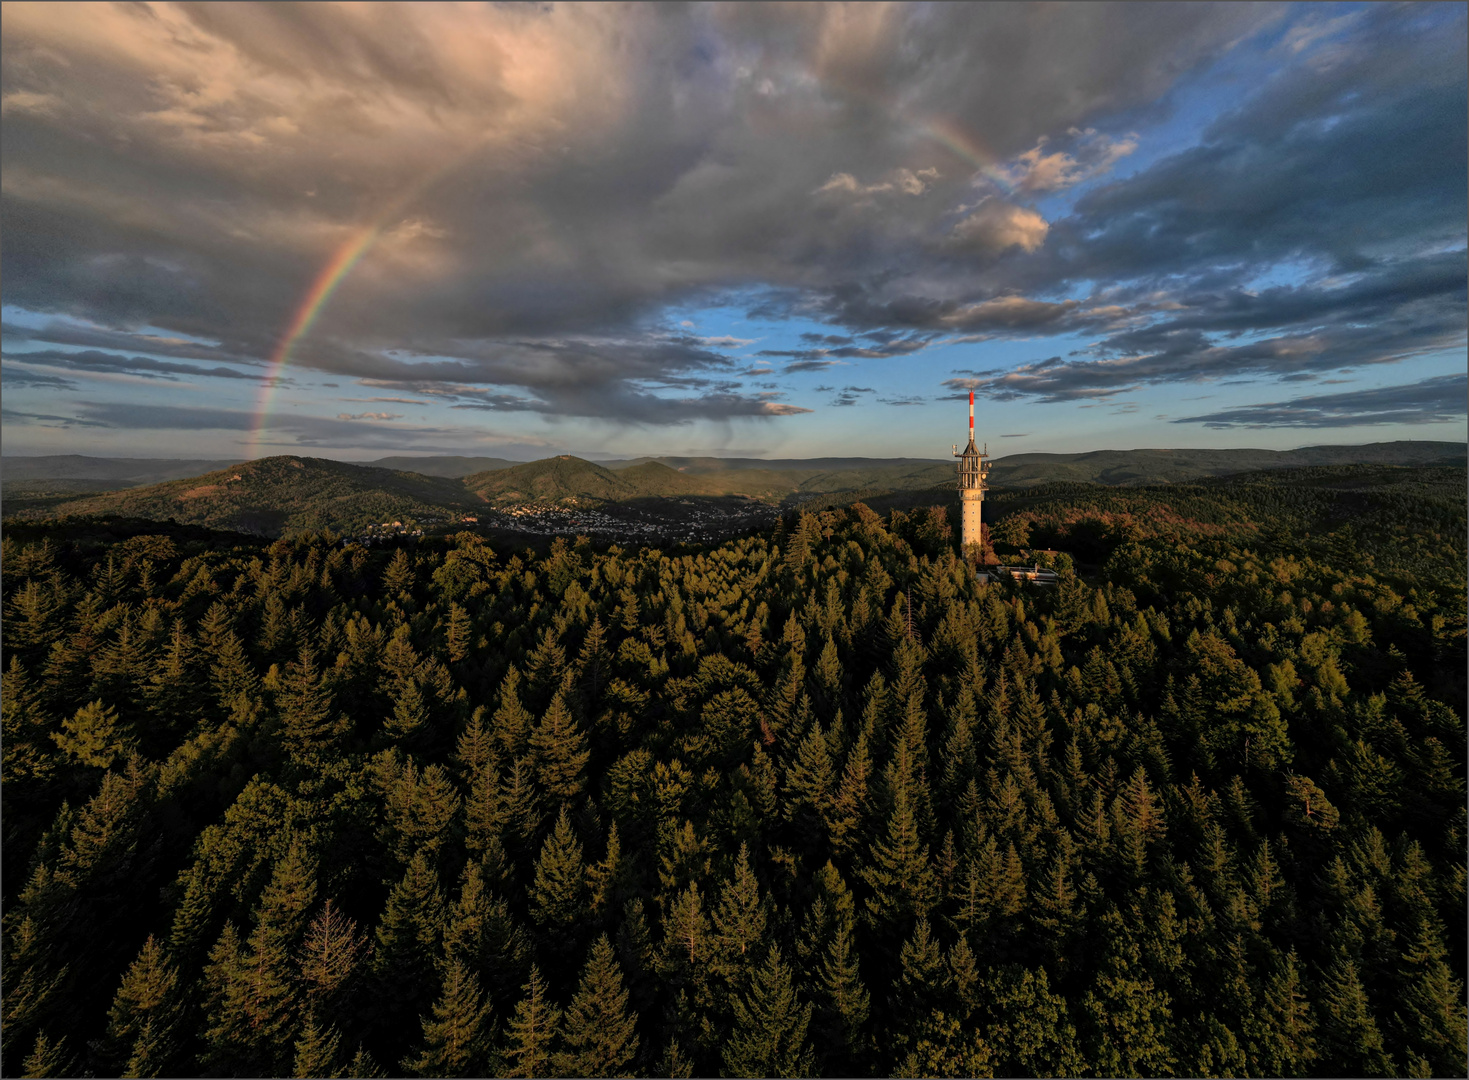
(974, 466)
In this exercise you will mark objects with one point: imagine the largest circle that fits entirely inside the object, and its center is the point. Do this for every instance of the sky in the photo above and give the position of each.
(783, 230)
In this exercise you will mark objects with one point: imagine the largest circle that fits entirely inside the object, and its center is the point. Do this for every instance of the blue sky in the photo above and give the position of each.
(731, 229)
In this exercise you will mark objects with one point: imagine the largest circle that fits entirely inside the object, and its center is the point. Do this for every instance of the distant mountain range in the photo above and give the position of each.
(290, 494)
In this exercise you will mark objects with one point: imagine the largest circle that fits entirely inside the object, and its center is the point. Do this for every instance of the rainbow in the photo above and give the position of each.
(331, 275)
(964, 143)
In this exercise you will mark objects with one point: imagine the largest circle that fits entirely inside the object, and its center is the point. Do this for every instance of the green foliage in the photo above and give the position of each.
(817, 801)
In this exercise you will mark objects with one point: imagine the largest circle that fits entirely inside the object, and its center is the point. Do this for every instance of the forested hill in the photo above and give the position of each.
(811, 802)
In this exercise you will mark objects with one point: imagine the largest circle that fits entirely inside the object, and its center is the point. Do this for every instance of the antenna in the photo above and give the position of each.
(971, 416)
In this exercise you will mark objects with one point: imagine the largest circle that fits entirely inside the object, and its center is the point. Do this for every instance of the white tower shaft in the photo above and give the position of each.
(973, 467)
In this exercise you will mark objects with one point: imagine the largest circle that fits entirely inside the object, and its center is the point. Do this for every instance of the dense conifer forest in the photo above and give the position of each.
(809, 802)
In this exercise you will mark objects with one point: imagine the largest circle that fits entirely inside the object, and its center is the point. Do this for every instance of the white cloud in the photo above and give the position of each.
(998, 225)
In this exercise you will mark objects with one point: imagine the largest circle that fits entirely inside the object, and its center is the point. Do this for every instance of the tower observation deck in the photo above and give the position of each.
(974, 467)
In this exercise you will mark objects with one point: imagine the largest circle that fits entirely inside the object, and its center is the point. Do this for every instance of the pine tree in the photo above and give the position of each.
(94, 737)
(512, 722)
(143, 1022)
(456, 1039)
(406, 726)
(593, 663)
(898, 870)
(305, 704)
(739, 925)
(558, 896)
(457, 632)
(318, 1051)
(808, 786)
(485, 936)
(253, 991)
(922, 984)
(600, 1033)
(849, 807)
(559, 750)
(1431, 1014)
(23, 724)
(398, 578)
(770, 1023)
(408, 940)
(49, 1057)
(330, 958)
(1285, 1029)
(1350, 1042)
(533, 1035)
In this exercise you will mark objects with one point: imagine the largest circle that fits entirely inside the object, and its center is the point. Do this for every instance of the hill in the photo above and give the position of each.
(556, 479)
(286, 495)
(442, 465)
(1126, 467)
(115, 470)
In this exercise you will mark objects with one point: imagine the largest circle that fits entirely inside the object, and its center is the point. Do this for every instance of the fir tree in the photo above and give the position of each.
(318, 1051)
(770, 1022)
(253, 991)
(533, 1034)
(408, 940)
(143, 1023)
(599, 1032)
(559, 750)
(456, 1038)
(558, 896)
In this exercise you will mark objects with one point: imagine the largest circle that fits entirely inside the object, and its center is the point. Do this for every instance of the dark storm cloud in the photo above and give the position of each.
(15, 378)
(547, 180)
(16, 416)
(555, 171)
(1431, 401)
(146, 367)
(60, 333)
(302, 430)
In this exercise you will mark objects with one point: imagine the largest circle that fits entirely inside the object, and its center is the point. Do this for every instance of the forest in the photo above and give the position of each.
(811, 801)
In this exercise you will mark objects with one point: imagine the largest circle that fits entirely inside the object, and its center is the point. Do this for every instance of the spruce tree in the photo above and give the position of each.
(408, 941)
(739, 924)
(534, 1033)
(600, 1036)
(558, 896)
(559, 750)
(898, 869)
(318, 1051)
(456, 1037)
(143, 1035)
(770, 1024)
(254, 991)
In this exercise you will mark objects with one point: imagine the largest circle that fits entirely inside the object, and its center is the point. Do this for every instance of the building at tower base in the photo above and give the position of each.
(974, 467)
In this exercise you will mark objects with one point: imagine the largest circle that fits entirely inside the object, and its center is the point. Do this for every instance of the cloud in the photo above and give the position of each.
(549, 178)
(1095, 154)
(15, 378)
(1392, 312)
(15, 416)
(799, 366)
(370, 416)
(998, 225)
(904, 181)
(1436, 400)
(551, 181)
(92, 360)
